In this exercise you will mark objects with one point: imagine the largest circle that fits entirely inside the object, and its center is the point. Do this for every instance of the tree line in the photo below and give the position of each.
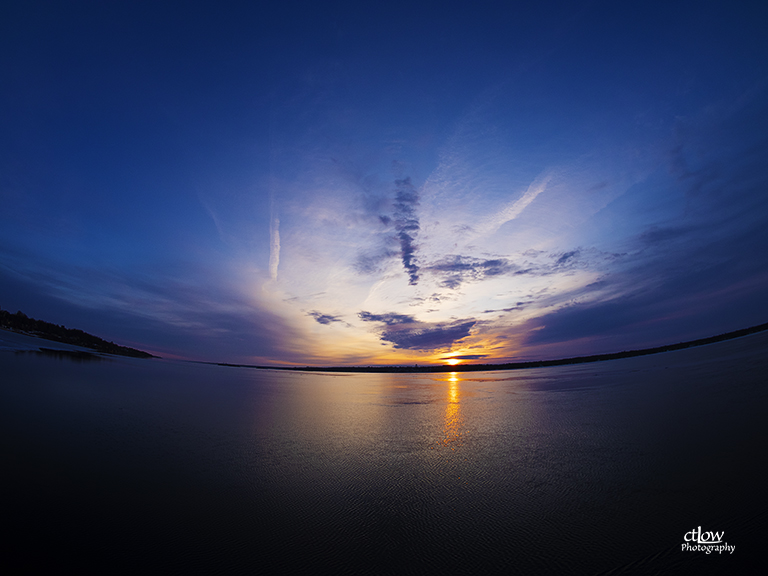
(20, 322)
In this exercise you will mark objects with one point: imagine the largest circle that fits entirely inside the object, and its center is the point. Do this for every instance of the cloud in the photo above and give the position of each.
(324, 318)
(565, 257)
(517, 306)
(578, 321)
(274, 245)
(459, 269)
(456, 270)
(514, 209)
(370, 263)
(407, 226)
(407, 333)
(388, 319)
(428, 338)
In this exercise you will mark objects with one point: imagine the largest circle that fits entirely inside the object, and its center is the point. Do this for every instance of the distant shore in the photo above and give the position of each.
(512, 365)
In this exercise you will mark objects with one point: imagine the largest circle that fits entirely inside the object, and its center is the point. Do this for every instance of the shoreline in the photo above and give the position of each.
(511, 365)
(79, 352)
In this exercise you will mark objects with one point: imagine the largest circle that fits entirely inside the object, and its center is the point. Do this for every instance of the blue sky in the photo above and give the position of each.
(307, 183)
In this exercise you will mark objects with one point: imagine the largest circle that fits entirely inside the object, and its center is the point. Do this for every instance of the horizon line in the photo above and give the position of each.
(508, 365)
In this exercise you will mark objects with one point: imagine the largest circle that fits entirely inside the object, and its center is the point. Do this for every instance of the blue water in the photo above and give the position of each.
(178, 467)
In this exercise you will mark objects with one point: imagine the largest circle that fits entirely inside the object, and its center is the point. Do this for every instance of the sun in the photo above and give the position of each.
(453, 361)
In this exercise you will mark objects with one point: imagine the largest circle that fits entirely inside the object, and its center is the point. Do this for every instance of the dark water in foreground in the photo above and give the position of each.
(171, 467)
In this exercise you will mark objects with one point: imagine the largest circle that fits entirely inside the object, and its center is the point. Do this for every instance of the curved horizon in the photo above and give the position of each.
(518, 365)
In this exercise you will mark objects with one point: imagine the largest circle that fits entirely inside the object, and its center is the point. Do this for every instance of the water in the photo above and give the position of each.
(177, 467)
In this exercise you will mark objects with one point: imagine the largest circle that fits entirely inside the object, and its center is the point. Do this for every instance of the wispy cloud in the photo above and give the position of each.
(517, 306)
(370, 263)
(512, 210)
(274, 241)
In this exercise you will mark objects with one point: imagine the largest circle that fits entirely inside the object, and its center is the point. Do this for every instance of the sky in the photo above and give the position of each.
(306, 183)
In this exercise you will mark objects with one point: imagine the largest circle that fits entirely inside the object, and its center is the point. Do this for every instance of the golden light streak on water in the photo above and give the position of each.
(452, 429)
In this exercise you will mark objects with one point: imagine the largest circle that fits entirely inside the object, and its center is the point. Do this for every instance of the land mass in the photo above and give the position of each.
(515, 365)
(20, 322)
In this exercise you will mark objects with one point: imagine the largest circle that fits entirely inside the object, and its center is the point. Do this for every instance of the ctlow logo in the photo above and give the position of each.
(707, 542)
(696, 535)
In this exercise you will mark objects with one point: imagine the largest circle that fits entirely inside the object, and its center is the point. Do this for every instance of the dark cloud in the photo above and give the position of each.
(456, 270)
(388, 319)
(579, 321)
(407, 333)
(459, 269)
(464, 264)
(407, 226)
(517, 306)
(429, 337)
(324, 318)
(564, 258)
(452, 282)
(469, 357)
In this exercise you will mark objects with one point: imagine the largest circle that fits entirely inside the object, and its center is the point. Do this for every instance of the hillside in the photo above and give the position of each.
(20, 322)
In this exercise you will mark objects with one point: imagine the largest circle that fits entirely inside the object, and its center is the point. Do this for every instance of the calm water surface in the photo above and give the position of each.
(176, 467)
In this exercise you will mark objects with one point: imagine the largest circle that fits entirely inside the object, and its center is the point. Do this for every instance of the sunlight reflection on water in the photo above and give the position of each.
(453, 416)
